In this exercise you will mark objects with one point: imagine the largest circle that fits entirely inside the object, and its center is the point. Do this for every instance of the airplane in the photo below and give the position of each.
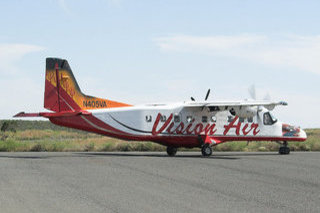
(186, 124)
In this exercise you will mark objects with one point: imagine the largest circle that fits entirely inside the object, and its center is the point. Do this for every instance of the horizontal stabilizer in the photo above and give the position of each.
(23, 114)
(52, 114)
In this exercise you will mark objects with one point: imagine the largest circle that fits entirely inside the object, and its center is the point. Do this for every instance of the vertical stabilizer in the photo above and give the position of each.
(62, 92)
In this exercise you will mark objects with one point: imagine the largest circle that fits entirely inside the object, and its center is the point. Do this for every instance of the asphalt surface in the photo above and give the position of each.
(153, 182)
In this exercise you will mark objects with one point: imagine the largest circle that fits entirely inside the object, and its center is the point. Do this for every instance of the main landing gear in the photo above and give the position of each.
(172, 151)
(284, 149)
(206, 150)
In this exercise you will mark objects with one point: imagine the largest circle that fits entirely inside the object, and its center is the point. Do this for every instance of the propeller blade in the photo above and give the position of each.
(207, 96)
(258, 116)
(252, 92)
(267, 97)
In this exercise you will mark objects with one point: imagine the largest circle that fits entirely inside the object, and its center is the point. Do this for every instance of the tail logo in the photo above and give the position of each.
(60, 83)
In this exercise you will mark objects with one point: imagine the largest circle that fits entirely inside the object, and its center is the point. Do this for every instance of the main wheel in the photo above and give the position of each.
(284, 150)
(206, 150)
(171, 151)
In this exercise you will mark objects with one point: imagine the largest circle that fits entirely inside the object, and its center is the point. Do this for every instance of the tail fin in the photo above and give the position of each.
(62, 92)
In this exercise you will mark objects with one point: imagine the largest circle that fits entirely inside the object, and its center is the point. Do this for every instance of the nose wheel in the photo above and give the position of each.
(284, 149)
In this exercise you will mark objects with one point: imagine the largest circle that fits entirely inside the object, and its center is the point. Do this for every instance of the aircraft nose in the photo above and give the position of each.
(303, 134)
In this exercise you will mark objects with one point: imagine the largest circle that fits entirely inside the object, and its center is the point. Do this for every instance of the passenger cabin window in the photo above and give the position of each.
(204, 119)
(268, 119)
(176, 118)
(163, 118)
(241, 120)
(230, 118)
(189, 118)
(250, 120)
(213, 119)
(148, 118)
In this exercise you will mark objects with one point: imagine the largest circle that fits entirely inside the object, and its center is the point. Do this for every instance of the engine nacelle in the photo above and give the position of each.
(244, 112)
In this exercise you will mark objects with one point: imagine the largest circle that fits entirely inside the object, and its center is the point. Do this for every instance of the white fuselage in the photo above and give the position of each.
(176, 120)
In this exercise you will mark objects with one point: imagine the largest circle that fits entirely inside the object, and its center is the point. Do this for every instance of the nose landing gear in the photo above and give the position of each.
(284, 149)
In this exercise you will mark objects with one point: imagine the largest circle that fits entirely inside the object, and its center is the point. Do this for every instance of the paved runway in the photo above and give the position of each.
(153, 182)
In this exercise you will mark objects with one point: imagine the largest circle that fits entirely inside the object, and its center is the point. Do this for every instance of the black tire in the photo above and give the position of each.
(284, 150)
(206, 150)
(287, 150)
(281, 151)
(172, 151)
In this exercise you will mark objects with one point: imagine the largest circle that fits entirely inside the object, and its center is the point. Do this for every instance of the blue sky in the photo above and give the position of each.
(164, 51)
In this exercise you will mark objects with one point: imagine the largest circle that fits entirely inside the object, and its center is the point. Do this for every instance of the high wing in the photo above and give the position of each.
(227, 105)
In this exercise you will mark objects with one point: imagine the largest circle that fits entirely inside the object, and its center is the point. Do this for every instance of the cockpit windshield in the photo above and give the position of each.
(274, 119)
(269, 119)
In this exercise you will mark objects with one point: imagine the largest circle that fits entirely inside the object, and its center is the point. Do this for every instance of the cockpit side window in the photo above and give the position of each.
(268, 119)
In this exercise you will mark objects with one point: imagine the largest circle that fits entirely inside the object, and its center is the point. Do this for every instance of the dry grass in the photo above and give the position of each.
(62, 140)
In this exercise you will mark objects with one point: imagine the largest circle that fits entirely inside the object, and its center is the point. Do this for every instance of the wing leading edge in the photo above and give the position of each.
(226, 105)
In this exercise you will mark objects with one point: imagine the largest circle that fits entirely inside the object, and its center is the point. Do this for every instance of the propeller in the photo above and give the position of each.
(252, 92)
(267, 97)
(207, 96)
